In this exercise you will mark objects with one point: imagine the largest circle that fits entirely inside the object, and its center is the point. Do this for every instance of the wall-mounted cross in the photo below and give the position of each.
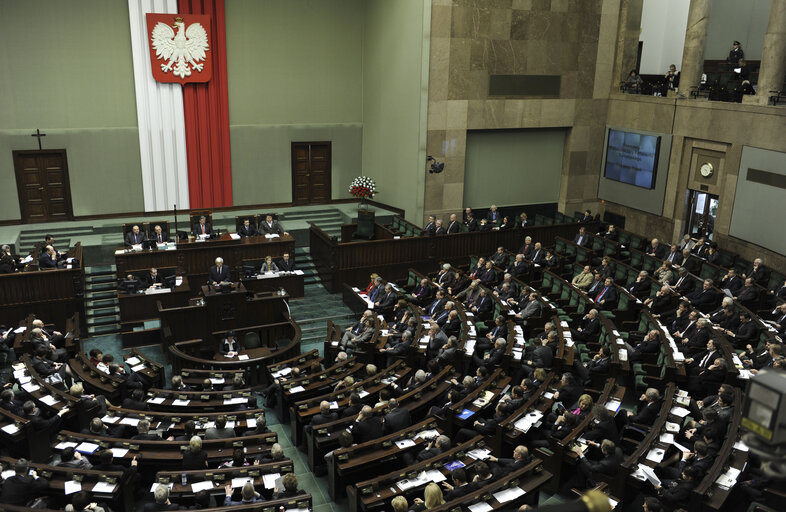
(39, 135)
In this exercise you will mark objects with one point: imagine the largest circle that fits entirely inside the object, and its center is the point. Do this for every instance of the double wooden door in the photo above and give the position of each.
(311, 172)
(42, 184)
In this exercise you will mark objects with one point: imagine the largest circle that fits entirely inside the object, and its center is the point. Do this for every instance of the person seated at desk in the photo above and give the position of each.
(130, 284)
(48, 259)
(153, 278)
(286, 264)
(159, 235)
(219, 273)
(135, 236)
(246, 229)
(22, 487)
(203, 227)
(268, 266)
(271, 227)
(8, 262)
(229, 346)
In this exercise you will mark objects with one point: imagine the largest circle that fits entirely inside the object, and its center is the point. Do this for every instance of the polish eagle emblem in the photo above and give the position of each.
(181, 51)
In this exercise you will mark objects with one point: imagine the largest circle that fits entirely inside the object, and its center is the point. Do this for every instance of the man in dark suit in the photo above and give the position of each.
(135, 236)
(582, 238)
(143, 431)
(453, 225)
(657, 249)
(421, 293)
(607, 297)
(684, 284)
(731, 282)
(674, 256)
(354, 407)
(437, 305)
(152, 278)
(698, 340)
(397, 419)
(271, 227)
(747, 333)
(521, 458)
(603, 425)
(136, 401)
(159, 235)
(678, 495)
(219, 272)
(325, 415)
(608, 464)
(748, 295)
(22, 487)
(640, 288)
(401, 348)
(589, 328)
(598, 283)
(48, 258)
(446, 277)
(586, 217)
(431, 226)
(538, 255)
(367, 426)
(471, 223)
(648, 408)
(489, 275)
(286, 264)
(526, 248)
(611, 233)
(459, 488)
(438, 229)
(757, 272)
(702, 360)
(494, 356)
(246, 229)
(385, 302)
(704, 299)
(202, 227)
(436, 339)
(699, 459)
(542, 357)
(649, 345)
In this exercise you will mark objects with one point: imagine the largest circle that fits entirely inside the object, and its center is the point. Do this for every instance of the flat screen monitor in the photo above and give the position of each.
(632, 158)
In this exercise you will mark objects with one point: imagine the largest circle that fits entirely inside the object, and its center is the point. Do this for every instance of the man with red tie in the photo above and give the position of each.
(203, 227)
(607, 297)
(159, 235)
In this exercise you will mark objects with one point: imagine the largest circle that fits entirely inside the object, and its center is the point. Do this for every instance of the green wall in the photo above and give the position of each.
(395, 98)
(295, 74)
(67, 70)
(529, 156)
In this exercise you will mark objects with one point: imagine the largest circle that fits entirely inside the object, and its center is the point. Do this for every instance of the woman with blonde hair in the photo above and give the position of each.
(194, 457)
(399, 504)
(433, 498)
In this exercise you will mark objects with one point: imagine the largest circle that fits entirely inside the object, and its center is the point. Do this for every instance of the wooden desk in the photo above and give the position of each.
(142, 306)
(291, 282)
(54, 295)
(196, 258)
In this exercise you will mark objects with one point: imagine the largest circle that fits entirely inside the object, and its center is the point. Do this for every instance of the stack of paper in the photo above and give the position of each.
(202, 486)
(71, 486)
(269, 480)
(427, 434)
(133, 361)
(405, 443)
(433, 475)
(510, 494)
(727, 480)
(86, 448)
(656, 455)
(479, 453)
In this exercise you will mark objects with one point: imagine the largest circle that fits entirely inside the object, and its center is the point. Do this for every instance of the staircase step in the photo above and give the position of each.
(93, 312)
(101, 303)
(104, 320)
(103, 329)
(100, 278)
(100, 287)
(101, 294)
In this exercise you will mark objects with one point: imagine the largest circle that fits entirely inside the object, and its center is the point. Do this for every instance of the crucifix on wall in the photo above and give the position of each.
(39, 135)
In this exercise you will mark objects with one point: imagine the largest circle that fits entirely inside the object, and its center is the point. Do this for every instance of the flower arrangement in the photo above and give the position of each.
(363, 187)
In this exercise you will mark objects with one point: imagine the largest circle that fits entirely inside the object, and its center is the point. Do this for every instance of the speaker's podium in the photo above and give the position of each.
(225, 303)
(365, 224)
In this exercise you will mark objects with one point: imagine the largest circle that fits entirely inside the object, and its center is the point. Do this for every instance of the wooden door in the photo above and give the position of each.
(311, 172)
(42, 183)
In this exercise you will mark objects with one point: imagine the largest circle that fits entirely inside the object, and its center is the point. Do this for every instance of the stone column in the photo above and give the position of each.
(695, 40)
(773, 57)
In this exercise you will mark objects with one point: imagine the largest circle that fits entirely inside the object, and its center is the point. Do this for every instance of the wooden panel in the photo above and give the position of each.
(320, 172)
(300, 173)
(311, 172)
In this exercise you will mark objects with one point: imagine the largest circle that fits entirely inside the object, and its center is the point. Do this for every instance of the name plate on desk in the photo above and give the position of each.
(268, 275)
(154, 291)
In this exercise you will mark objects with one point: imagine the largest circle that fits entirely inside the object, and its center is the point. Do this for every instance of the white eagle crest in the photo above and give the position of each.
(182, 50)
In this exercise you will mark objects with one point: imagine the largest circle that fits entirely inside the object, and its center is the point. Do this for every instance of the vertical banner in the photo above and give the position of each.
(162, 135)
(206, 112)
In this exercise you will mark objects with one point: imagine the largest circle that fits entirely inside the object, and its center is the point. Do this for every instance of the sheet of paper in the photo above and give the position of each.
(138, 368)
(104, 487)
(427, 434)
(30, 387)
(119, 452)
(679, 411)
(202, 486)
(296, 389)
(509, 494)
(20, 330)
(71, 486)
(667, 438)
(213, 380)
(656, 455)
(405, 443)
(156, 484)
(480, 507)
(672, 427)
(251, 423)
(65, 444)
(7, 473)
(156, 400)
(242, 357)
(234, 236)
(10, 429)
(741, 446)
(433, 475)
(130, 421)
(363, 393)
(269, 480)
(241, 481)
(133, 360)
(479, 453)
(181, 402)
(649, 474)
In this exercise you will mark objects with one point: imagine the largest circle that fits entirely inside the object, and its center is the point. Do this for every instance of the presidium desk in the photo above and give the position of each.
(194, 259)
